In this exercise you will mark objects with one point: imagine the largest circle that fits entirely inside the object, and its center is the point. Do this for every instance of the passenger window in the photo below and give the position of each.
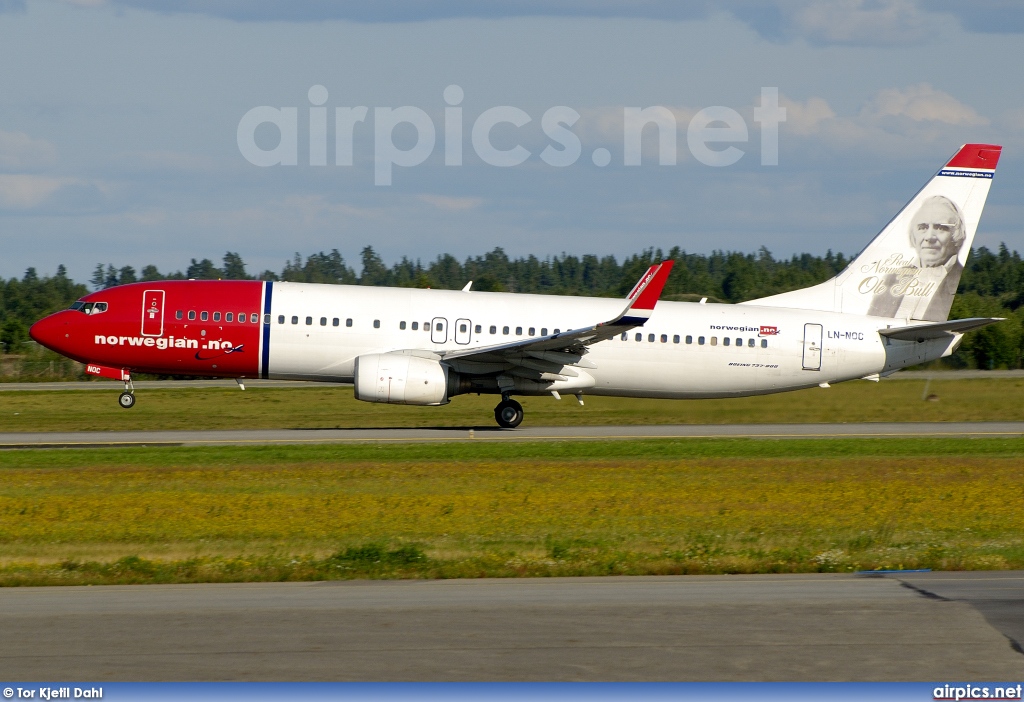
(241, 318)
(462, 327)
(309, 320)
(714, 341)
(254, 318)
(266, 318)
(639, 336)
(664, 339)
(376, 324)
(204, 316)
(426, 326)
(476, 329)
(494, 329)
(216, 316)
(179, 314)
(689, 339)
(675, 339)
(191, 315)
(764, 343)
(739, 342)
(533, 331)
(415, 326)
(544, 332)
(295, 320)
(623, 337)
(439, 326)
(229, 317)
(725, 341)
(401, 325)
(557, 330)
(750, 343)
(335, 322)
(700, 341)
(280, 319)
(504, 330)
(323, 321)
(650, 338)
(348, 322)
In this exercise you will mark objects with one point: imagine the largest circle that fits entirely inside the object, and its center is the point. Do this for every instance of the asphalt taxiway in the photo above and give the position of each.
(492, 433)
(918, 626)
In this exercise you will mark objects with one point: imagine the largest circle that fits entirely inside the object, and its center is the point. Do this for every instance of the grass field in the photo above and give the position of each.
(531, 509)
(996, 399)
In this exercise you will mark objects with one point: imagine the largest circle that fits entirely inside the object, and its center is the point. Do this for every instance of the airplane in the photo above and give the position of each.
(887, 310)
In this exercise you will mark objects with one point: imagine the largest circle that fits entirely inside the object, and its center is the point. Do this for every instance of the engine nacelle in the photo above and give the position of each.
(400, 379)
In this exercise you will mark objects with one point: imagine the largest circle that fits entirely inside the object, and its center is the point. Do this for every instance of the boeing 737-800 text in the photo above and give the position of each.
(887, 310)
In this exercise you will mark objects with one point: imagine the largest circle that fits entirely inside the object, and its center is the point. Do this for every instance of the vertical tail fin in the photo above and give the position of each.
(912, 268)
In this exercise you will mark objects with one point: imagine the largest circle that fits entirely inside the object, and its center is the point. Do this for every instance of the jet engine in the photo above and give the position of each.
(402, 379)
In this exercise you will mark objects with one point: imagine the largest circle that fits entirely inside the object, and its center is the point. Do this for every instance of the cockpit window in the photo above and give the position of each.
(89, 307)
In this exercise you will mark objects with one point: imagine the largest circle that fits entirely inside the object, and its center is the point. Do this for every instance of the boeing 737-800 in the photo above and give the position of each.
(887, 310)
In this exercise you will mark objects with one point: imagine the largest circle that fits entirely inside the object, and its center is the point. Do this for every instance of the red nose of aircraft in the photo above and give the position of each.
(53, 332)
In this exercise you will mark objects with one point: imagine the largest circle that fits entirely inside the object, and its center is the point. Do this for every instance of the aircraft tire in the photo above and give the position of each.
(126, 400)
(508, 414)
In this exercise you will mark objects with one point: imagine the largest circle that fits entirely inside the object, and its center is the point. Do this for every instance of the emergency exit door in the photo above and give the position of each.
(153, 313)
(812, 347)
(439, 330)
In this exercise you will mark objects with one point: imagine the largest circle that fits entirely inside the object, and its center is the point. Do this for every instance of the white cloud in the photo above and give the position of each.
(20, 152)
(314, 208)
(27, 191)
(805, 117)
(863, 22)
(451, 204)
(921, 103)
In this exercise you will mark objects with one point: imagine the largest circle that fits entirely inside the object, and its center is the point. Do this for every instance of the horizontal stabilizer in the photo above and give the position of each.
(923, 332)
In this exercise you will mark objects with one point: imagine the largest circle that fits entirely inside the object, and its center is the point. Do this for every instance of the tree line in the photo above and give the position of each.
(992, 284)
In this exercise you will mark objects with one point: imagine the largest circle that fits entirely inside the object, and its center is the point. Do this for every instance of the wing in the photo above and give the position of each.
(550, 357)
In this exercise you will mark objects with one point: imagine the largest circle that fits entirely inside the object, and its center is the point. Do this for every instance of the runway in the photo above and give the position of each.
(227, 383)
(930, 626)
(492, 433)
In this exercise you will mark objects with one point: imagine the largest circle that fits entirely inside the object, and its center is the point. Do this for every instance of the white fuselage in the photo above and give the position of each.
(746, 349)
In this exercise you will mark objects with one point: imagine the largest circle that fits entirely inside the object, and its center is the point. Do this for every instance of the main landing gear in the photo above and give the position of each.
(509, 413)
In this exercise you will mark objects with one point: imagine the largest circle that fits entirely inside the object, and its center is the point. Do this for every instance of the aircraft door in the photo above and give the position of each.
(812, 347)
(439, 330)
(463, 331)
(153, 313)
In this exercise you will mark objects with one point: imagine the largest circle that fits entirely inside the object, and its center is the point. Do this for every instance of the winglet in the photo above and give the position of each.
(644, 295)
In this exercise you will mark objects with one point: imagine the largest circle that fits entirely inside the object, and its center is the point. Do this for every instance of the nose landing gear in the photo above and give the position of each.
(509, 413)
(127, 398)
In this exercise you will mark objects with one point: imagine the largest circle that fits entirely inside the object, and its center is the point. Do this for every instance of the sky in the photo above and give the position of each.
(124, 140)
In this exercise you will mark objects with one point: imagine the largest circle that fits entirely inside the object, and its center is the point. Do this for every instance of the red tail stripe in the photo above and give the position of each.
(984, 156)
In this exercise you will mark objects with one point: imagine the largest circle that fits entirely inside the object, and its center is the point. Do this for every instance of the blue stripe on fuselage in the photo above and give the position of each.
(267, 297)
